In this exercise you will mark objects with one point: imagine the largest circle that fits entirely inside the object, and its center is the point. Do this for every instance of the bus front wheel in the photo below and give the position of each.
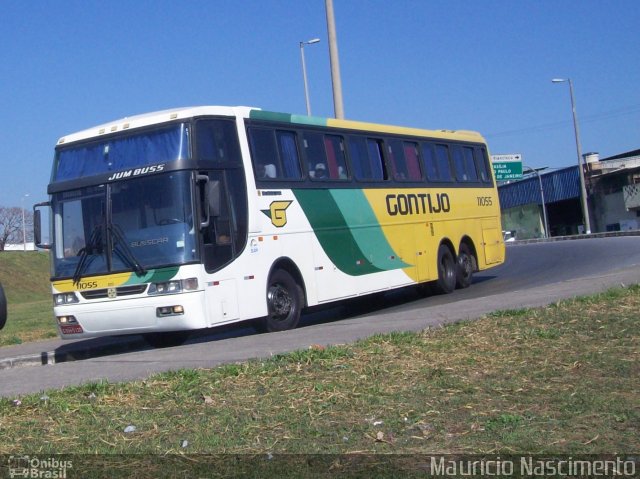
(446, 282)
(284, 302)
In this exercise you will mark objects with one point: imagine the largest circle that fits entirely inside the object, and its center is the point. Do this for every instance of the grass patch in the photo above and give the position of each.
(32, 321)
(25, 281)
(25, 276)
(561, 379)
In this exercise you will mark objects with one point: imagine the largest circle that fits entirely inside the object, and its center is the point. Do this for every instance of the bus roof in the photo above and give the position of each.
(358, 125)
(154, 118)
(159, 117)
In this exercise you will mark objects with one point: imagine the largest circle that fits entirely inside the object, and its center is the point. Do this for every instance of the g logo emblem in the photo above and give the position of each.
(277, 212)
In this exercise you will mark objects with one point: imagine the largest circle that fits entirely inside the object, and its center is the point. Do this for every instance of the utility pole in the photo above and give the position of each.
(335, 61)
(583, 189)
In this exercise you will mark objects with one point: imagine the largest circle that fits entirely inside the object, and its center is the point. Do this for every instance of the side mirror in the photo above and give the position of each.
(210, 200)
(37, 225)
(214, 197)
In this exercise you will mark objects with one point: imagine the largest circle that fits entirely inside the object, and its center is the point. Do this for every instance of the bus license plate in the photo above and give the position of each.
(71, 329)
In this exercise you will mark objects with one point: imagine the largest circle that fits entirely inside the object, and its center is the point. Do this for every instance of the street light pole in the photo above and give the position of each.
(304, 72)
(544, 205)
(583, 189)
(24, 229)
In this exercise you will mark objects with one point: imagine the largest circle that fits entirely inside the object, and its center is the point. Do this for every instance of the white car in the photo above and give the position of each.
(509, 235)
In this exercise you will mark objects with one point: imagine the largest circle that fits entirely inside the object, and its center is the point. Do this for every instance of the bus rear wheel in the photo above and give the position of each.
(464, 267)
(284, 303)
(446, 282)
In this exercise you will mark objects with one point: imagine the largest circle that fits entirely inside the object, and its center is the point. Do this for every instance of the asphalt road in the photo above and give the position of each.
(533, 275)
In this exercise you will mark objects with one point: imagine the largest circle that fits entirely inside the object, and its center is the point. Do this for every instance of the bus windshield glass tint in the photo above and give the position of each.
(122, 152)
(148, 218)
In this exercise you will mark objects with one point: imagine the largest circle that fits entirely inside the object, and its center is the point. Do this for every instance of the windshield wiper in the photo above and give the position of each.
(88, 253)
(122, 249)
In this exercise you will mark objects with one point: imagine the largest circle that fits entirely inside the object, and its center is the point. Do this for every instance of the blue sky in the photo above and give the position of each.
(480, 65)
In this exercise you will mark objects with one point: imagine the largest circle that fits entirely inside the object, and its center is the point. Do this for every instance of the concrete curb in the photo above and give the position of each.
(75, 351)
(27, 360)
(609, 234)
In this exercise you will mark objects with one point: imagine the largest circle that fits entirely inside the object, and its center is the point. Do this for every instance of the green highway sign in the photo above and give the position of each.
(507, 167)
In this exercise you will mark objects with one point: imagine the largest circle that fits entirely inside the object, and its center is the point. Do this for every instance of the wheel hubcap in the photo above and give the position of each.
(279, 302)
(465, 265)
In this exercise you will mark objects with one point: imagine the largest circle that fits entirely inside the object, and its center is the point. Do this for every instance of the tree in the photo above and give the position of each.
(11, 226)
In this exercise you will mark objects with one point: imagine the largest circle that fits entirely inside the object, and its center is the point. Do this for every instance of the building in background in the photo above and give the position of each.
(613, 193)
(521, 204)
(30, 246)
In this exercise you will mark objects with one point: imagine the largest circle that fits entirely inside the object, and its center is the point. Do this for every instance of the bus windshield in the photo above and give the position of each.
(132, 225)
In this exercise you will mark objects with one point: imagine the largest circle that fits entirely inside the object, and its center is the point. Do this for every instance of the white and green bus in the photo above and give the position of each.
(198, 217)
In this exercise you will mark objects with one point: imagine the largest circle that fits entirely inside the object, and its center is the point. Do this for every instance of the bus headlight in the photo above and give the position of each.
(168, 287)
(65, 298)
(172, 287)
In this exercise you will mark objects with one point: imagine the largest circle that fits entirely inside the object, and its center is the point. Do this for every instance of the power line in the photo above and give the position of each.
(631, 110)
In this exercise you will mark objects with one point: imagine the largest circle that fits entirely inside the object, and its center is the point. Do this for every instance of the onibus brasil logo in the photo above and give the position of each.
(277, 212)
(36, 467)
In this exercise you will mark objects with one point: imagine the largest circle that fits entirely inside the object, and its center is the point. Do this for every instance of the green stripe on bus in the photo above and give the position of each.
(348, 231)
(270, 115)
(309, 120)
(154, 276)
(287, 118)
(366, 230)
(333, 233)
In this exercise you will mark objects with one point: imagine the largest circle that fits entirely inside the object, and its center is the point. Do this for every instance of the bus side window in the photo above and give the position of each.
(376, 162)
(359, 157)
(481, 165)
(403, 157)
(395, 157)
(218, 141)
(288, 149)
(411, 156)
(429, 162)
(458, 163)
(315, 157)
(444, 164)
(469, 164)
(336, 160)
(366, 158)
(263, 152)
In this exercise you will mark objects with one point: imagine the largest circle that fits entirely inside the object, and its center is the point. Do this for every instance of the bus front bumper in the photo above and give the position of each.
(132, 316)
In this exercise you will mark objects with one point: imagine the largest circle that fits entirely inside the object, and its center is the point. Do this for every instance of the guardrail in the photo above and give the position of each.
(607, 234)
